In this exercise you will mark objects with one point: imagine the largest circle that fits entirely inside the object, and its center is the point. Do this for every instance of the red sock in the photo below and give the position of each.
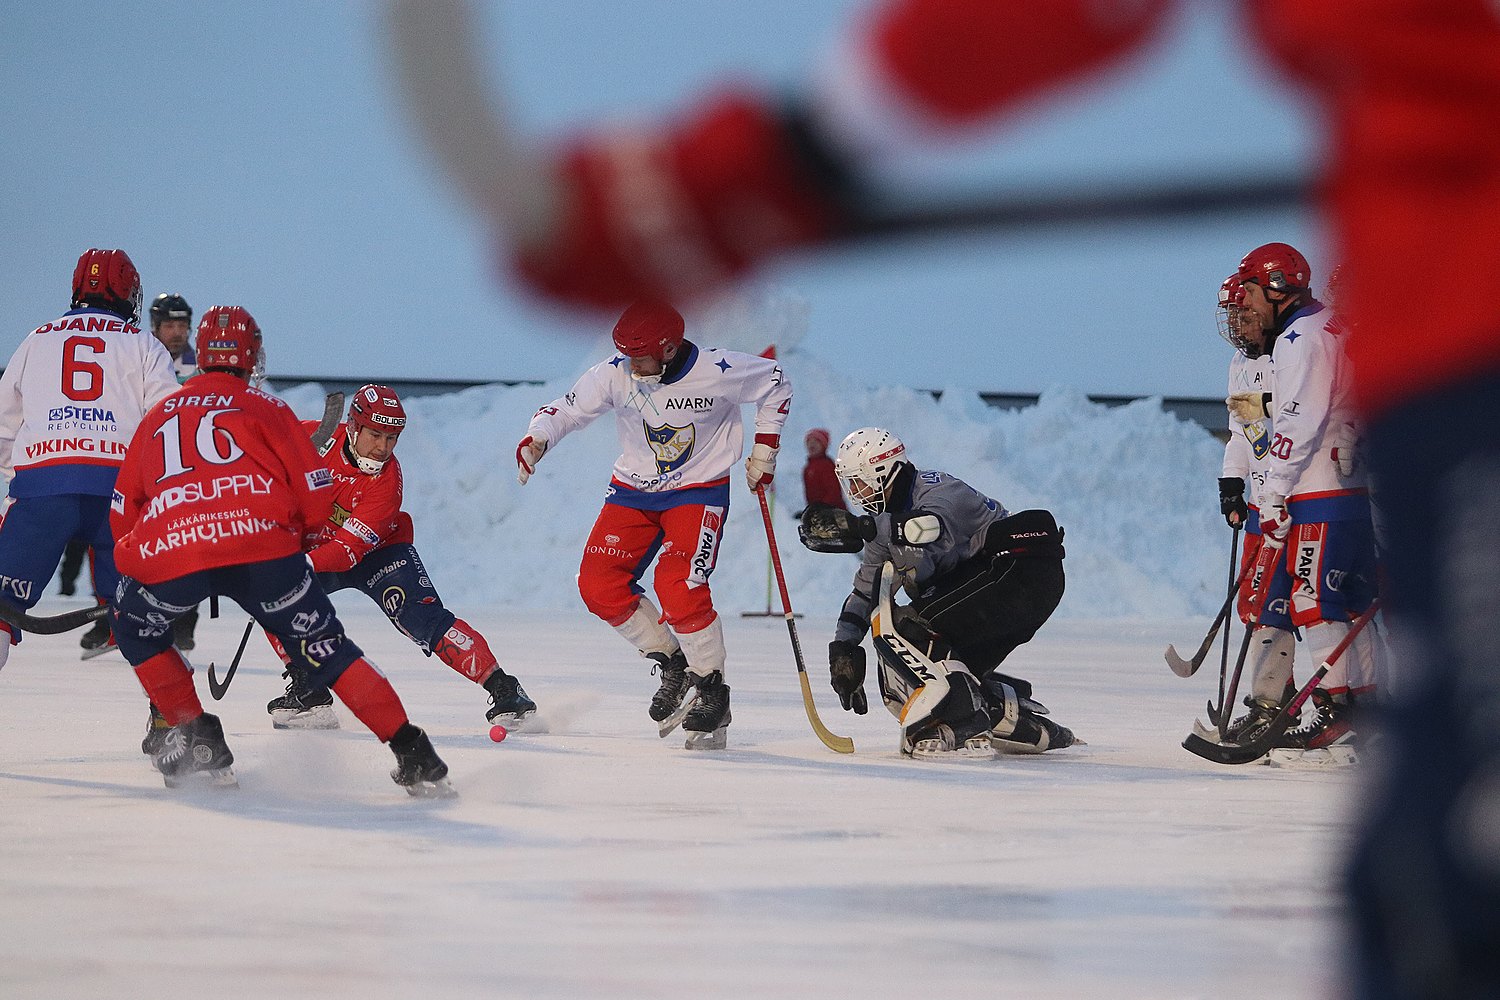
(169, 684)
(371, 698)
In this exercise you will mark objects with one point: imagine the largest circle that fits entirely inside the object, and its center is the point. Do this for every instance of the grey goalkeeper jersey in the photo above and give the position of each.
(966, 515)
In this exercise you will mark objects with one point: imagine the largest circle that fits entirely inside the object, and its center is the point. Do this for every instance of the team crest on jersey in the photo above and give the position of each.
(673, 446)
(1260, 441)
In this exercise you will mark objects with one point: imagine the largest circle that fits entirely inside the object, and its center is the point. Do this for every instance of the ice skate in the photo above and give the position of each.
(303, 706)
(1033, 734)
(157, 729)
(674, 684)
(1330, 725)
(1249, 727)
(707, 722)
(509, 704)
(419, 769)
(98, 640)
(195, 751)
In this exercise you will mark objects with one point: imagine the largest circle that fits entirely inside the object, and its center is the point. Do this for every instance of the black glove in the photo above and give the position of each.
(846, 672)
(830, 529)
(1232, 502)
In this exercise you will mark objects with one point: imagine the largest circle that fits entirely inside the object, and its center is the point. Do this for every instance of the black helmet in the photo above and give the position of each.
(169, 306)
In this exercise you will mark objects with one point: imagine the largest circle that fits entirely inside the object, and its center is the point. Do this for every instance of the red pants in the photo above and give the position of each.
(622, 545)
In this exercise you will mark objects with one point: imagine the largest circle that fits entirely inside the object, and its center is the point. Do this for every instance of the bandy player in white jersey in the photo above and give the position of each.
(677, 411)
(70, 400)
(1247, 455)
(1315, 500)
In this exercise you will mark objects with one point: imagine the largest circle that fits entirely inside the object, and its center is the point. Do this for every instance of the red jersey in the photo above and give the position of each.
(367, 510)
(217, 474)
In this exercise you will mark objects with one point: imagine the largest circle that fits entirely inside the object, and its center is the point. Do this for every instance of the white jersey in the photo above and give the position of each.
(71, 399)
(1313, 410)
(1248, 451)
(675, 435)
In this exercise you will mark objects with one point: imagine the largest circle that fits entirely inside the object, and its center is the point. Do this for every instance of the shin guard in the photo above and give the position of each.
(464, 649)
(168, 682)
(371, 698)
(704, 648)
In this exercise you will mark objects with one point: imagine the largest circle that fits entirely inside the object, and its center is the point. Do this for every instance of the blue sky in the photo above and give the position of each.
(255, 154)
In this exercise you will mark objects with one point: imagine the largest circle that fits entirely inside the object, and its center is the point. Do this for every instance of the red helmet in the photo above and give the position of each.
(1276, 267)
(377, 408)
(108, 279)
(647, 328)
(229, 338)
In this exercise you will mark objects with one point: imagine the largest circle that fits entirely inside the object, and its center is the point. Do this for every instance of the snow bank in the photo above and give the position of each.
(1133, 486)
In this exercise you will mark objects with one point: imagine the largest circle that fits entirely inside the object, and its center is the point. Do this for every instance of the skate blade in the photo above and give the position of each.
(1014, 748)
(440, 789)
(665, 726)
(217, 777)
(716, 740)
(321, 717)
(978, 749)
(520, 722)
(1318, 759)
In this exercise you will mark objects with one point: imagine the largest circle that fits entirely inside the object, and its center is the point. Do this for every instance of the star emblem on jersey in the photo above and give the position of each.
(1292, 336)
(617, 360)
(672, 446)
(723, 365)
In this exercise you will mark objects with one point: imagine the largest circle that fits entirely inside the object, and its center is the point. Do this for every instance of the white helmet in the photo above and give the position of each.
(867, 462)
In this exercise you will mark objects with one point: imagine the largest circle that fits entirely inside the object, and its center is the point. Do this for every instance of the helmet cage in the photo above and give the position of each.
(867, 463)
(1234, 319)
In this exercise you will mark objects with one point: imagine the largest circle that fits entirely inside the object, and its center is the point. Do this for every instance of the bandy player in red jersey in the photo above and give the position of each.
(70, 399)
(218, 489)
(677, 413)
(367, 544)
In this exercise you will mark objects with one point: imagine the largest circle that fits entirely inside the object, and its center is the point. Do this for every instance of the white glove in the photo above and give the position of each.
(1275, 522)
(760, 467)
(528, 453)
(1248, 407)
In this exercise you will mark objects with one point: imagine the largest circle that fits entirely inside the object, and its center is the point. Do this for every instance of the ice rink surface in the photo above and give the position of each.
(597, 860)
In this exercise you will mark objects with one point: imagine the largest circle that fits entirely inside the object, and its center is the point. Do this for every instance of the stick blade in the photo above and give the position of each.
(50, 624)
(1180, 667)
(838, 744)
(1223, 753)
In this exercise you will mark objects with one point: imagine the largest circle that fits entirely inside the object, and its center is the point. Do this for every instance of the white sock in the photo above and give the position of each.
(645, 632)
(704, 648)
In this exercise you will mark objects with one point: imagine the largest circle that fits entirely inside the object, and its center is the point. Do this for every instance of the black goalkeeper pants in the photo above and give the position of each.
(984, 609)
